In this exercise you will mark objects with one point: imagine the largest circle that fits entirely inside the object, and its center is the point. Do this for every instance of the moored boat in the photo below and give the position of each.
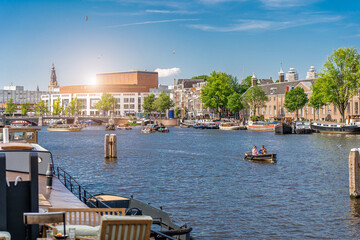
(335, 128)
(269, 157)
(261, 126)
(283, 128)
(20, 124)
(229, 126)
(303, 128)
(153, 128)
(64, 128)
(110, 127)
(124, 127)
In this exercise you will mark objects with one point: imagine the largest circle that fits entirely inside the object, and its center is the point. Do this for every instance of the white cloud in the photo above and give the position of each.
(152, 22)
(167, 72)
(170, 11)
(287, 3)
(248, 25)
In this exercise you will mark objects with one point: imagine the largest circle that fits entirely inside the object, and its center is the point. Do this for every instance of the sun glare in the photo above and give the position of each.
(92, 80)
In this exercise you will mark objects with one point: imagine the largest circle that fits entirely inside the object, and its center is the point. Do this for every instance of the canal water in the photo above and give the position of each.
(200, 177)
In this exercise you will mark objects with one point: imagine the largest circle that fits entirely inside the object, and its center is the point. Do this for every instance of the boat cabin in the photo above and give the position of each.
(28, 135)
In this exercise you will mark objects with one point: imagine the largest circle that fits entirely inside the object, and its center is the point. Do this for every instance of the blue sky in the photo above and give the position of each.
(183, 38)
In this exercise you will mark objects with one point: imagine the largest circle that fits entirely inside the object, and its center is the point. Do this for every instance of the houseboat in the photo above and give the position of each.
(64, 128)
(303, 127)
(283, 128)
(261, 126)
(327, 127)
(31, 185)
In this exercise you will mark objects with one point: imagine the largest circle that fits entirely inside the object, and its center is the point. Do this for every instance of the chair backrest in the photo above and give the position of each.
(125, 227)
(41, 218)
(87, 216)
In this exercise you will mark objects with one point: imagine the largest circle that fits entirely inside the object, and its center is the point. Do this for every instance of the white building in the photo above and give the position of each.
(292, 75)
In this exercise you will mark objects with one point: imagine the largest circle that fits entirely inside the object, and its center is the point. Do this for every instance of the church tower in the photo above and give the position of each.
(253, 80)
(53, 86)
(281, 75)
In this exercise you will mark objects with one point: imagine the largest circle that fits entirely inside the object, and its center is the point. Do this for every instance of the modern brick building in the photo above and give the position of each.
(129, 89)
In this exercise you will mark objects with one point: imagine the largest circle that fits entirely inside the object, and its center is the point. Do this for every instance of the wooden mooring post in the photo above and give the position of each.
(110, 148)
(354, 173)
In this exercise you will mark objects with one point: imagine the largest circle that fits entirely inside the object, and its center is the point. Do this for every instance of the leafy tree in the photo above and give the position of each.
(107, 102)
(245, 84)
(57, 109)
(234, 103)
(295, 99)
(149, 104)
(41, 108)
(317, 99)
(217, 90)
(24, 108)
(340, 79)
(10, 107)
(74, 107)
(177, 112)
(163, 103)
(254, 98)
(205, 77)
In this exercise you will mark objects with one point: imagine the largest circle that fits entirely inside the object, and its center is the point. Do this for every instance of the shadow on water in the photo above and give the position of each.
(200, 176)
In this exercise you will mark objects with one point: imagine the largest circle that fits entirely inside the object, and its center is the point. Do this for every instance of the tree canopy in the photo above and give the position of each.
(107, 102)
(295, 99)
(163, 103)
(24, 108)
(234, 103)
(340, 79)
(216, 92)
(317, 99)
(245, 84)
(57, 108)
(74, 106)
(201, 77)
(41, 108)
(254, 98)
(10, 107)
(149, 103)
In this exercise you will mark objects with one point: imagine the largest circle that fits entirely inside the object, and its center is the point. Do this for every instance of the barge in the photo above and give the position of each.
(335, 128)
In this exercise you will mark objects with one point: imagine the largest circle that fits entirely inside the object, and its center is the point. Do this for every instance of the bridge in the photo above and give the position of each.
(34, 120)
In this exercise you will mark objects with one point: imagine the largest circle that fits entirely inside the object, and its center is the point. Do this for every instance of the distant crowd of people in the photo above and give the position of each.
(254, 151)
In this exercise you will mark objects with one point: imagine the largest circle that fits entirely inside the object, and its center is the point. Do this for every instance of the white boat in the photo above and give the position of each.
(229, 126)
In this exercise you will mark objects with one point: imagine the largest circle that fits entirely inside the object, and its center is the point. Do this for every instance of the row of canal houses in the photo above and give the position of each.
(187, 95)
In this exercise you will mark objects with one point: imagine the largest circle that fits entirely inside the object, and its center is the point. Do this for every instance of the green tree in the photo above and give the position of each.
(24, 108)
(340, 79)
(149, 104)
(254, 98)
(107, 102)
(74, 106)
(57, 109)
(205, 77)
(10, 107)
(163, 103)
(317, 99)
(234, 103)
(41, 108)
(177, 112)
(245, 84)
(295, 99)
(217, 90)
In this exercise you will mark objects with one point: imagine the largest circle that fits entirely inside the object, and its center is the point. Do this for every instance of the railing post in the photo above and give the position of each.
(79, 192)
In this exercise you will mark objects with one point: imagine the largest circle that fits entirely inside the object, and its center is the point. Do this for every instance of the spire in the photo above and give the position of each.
(53, 81)
(37, 87)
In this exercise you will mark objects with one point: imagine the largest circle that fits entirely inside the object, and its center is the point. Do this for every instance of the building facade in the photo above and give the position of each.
(187, 97)
(128, 88)
(274, 107)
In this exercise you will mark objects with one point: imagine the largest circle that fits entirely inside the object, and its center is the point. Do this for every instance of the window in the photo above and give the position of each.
(132, 100)
(126, 100)
(348, 108)
(356, 108)
(126, 106)
(274, 110)
(132, 106)
(335, 109)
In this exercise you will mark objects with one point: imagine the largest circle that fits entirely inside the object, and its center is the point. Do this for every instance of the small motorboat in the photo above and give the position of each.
(269, 157)
(124, 127)
(229, 126)
(110, 127)
(152, 128)
(64, 128)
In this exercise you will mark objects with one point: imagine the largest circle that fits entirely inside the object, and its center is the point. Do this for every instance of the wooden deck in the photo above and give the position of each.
(57, 197)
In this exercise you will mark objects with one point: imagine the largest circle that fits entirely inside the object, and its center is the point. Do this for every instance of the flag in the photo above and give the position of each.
(287, 88)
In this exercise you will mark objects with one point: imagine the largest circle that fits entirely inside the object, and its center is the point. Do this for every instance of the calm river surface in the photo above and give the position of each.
(200, 177)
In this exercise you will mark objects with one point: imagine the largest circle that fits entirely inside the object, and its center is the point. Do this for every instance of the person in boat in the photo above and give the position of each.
(254, 151)
(263, 150)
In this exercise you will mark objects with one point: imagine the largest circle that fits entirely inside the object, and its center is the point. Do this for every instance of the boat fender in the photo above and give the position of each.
(133, 212)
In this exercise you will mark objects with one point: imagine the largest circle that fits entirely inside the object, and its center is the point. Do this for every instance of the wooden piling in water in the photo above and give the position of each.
(113, 147)
(106, 146)
(354, 173)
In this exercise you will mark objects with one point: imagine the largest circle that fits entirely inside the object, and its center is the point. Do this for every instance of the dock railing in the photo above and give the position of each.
(80, 192)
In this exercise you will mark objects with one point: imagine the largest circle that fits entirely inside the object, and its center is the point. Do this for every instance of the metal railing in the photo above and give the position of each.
(80, 192)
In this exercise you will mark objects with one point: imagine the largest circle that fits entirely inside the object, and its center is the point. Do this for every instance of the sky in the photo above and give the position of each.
(179, 39)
